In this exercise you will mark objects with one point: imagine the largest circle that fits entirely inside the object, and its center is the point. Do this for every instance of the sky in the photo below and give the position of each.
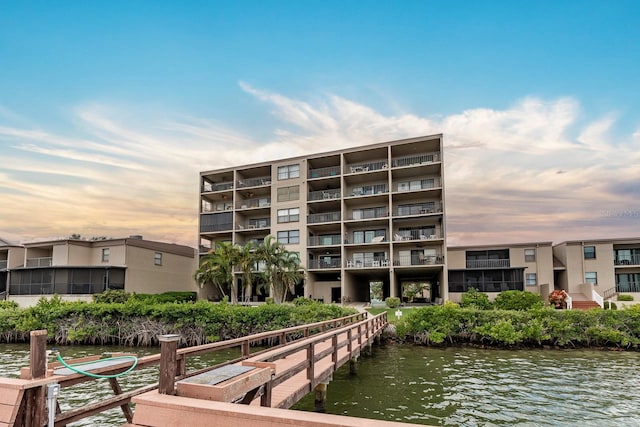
(109, 110)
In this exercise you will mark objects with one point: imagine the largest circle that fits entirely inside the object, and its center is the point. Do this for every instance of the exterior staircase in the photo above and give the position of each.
(584, 305)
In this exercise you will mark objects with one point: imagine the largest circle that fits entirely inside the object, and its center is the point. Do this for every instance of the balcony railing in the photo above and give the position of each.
(221, 186)
(213, 228)
(627, 260)
(3, 265)
(39, 262)
(254, 224)
(258, 202)
(368, 190)
(407, 260)
(488, 263)
(328, 240)
(208, 208)
(418, 209)
(324, 195)
(370, 213)
(335, 262)
(323, 217)
(487, 286)
(418, 184)
(367, 263)
(323, 172)
(366, 167)
(409, 235)
(415, 160)
(628, 287)
(254, 182)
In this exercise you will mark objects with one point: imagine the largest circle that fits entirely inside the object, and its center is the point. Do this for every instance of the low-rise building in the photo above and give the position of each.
(75, 269)
(496, 268)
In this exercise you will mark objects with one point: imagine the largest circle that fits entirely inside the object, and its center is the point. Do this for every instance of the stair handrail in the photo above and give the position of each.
(568, 301)
(597, 298)
(609, 293)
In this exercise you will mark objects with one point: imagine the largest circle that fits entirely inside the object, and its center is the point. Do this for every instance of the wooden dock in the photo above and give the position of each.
(251, 386)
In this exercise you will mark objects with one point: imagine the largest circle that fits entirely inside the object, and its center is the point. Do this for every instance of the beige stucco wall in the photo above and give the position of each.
(572, 255)
(175, 273)
(31, 300)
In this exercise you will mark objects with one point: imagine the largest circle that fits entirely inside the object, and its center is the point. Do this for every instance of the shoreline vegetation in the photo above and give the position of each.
(517, 319)
(138, 320)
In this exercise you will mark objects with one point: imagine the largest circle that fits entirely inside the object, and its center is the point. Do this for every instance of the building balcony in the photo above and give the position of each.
(368, 190)
(209, 187)
(418, 184)
(366, 167)
(327, 240)
(254, 182)
(324, 172)
(367, 263)
(323, 195)
(412, 235)
(334, 262)
(254, 224)
(418, 209)
(323, 217)
(409, 260)
(488, 263)
(39, 262)
(369, 213)
(215, 228)
(415, 160)
(627, 260)
(258, 202)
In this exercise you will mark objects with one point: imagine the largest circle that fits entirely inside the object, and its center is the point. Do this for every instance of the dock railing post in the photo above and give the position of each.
(168, 363)
(38, 354)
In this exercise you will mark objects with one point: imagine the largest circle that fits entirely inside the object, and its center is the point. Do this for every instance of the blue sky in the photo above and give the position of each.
(108, 110)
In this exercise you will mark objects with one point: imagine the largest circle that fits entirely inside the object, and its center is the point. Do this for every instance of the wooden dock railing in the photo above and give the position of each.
(27, 405)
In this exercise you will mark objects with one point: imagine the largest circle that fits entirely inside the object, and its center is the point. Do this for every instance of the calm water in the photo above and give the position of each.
(447, 387)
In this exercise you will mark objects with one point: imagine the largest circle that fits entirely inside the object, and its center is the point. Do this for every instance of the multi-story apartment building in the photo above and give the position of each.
(76, 269)
(358, 216)
(496, 268)
(607, 266)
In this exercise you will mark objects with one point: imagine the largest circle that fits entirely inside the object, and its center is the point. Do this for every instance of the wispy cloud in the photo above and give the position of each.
(531, 171)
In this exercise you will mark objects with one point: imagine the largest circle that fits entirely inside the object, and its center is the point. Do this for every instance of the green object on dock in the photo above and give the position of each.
(96, 364)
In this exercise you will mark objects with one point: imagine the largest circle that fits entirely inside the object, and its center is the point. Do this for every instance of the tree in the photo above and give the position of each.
(282, 269)
(246, 261)
(217, 268)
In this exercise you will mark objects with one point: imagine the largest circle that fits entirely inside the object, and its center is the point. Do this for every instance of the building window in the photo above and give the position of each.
(105, 255)
(591, 277)
(288, 172)
(288, 215)
(530, 255)
(291, 236)
(157, 258)
(367, 235)
(531, 279)
(589, 252)
(286, 194)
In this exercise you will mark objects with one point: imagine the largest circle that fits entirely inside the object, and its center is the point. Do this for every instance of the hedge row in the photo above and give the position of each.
(451, 324)
(139, 323)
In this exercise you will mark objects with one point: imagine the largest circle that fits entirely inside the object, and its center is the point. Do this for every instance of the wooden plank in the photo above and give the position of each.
(218, 375)
(94, 366)
(6, 413)
(228, 390)
(9, 396)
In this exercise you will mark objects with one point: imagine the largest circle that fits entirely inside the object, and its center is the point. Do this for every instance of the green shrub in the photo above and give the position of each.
(474, 299)
(269, 300)
(517, 300)
(173, 296)
(392, 302)
(625, 298)
(10, 305)
(610, 305)
(303, 301)
(111, 296)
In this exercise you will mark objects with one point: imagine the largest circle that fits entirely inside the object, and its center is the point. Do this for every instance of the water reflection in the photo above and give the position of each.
(445, 387)
(472, 387)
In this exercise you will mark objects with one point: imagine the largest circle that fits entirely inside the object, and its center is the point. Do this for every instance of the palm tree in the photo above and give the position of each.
(217, 268)
(246, 260)
(281, 268)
